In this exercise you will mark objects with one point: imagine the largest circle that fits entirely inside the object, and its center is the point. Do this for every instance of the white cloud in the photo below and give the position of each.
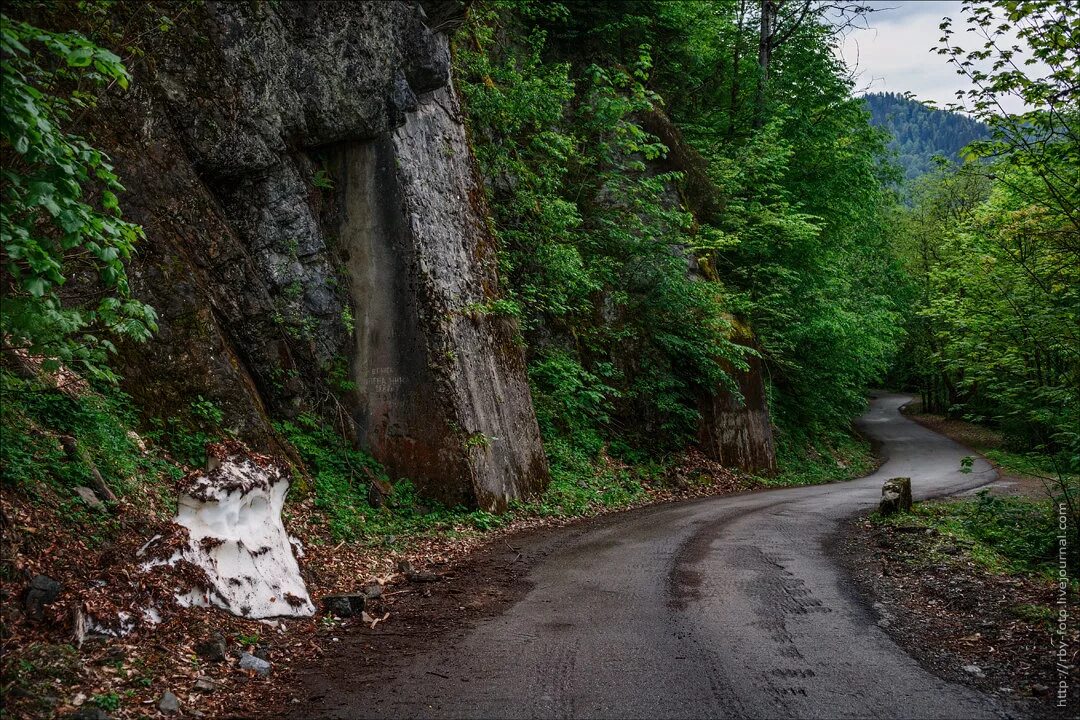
(893, 54)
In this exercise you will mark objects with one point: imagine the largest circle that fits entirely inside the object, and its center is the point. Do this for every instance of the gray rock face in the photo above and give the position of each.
(41, 592)
(317, 73)
(895, 496)
(213, 649)
(300, 165)
(738, 432)
(441, 390)
(205, 685)
(169, 705)
(90, 498)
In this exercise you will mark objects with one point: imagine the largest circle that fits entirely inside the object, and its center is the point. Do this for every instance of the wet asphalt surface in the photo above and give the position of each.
(727, 607)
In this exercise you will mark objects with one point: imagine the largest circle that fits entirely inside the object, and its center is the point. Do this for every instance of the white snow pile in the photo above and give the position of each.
(233, 516)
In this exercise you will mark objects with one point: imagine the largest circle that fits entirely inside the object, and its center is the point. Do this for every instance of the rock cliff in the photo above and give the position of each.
(312, 211)
(735, 429)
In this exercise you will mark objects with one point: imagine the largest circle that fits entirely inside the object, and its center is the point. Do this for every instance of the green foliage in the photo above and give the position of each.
(804, 459)
(588, 235)
(1042, 71)
(1038, 465)
(570, 401)
(338, 375)
(1036, 614)
(627, 274)
(1007, 534)
(338, 472)
(109, 702)
(322, 180)
(247, 640)
(60, 217)
(477, 440)
(34, 416)
(920, 133)
(582, 485)
(186, 437)
(206, 411)
(347, 320)
(341, 476)
(994, 333)
(994, 247)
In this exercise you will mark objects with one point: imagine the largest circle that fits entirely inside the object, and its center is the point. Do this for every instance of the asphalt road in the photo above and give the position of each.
(728, 607)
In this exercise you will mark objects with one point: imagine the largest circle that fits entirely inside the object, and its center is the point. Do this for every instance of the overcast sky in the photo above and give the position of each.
(893, 53)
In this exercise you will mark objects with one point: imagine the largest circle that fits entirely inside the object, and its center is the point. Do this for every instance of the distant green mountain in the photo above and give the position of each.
(919, 133)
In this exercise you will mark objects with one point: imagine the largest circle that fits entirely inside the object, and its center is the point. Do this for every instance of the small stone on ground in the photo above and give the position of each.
(250, 662)
(169, 704)
(213, 649)
(90, 498)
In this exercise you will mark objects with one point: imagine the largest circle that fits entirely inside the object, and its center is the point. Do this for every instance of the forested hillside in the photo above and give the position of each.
(919, 133)
(662, 222)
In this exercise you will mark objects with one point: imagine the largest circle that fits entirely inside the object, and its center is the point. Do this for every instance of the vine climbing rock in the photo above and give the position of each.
(895, 496)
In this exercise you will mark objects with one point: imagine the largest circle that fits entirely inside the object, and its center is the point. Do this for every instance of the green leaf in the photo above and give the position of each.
(80, 57)
(35, 286)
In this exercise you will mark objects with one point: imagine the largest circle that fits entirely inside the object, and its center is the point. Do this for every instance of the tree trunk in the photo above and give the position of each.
(765, 45)
(733, 108)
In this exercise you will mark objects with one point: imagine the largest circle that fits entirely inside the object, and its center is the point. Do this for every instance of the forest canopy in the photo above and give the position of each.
(921, 133)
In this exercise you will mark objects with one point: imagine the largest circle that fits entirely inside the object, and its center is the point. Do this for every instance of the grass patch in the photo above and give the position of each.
(1006, 535)
(825, 459)
(186, 437)
(33, 418)
(585, 481)
(1040, 614)
(1036, 465)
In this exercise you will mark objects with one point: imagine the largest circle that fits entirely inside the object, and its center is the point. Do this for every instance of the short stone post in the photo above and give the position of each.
(895, 496)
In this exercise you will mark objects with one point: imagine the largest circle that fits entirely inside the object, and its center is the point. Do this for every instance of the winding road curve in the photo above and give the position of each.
(725, 607)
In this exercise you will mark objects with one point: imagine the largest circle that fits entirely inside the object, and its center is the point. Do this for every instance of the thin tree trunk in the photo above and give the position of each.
(765, 41)
(733, 105)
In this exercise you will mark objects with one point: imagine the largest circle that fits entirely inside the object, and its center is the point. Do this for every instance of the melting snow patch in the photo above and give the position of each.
(297, 545)
(233, 516)
(123, 625)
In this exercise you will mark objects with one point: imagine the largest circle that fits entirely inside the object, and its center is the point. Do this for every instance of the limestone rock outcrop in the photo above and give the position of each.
(736, 431)
(265, 133)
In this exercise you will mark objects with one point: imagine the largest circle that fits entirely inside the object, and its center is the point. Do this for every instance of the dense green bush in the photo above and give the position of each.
(60, 217)
(789, 228)
(1006, 533)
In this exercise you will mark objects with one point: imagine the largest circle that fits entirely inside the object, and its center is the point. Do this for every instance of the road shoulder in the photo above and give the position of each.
(987, 630)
